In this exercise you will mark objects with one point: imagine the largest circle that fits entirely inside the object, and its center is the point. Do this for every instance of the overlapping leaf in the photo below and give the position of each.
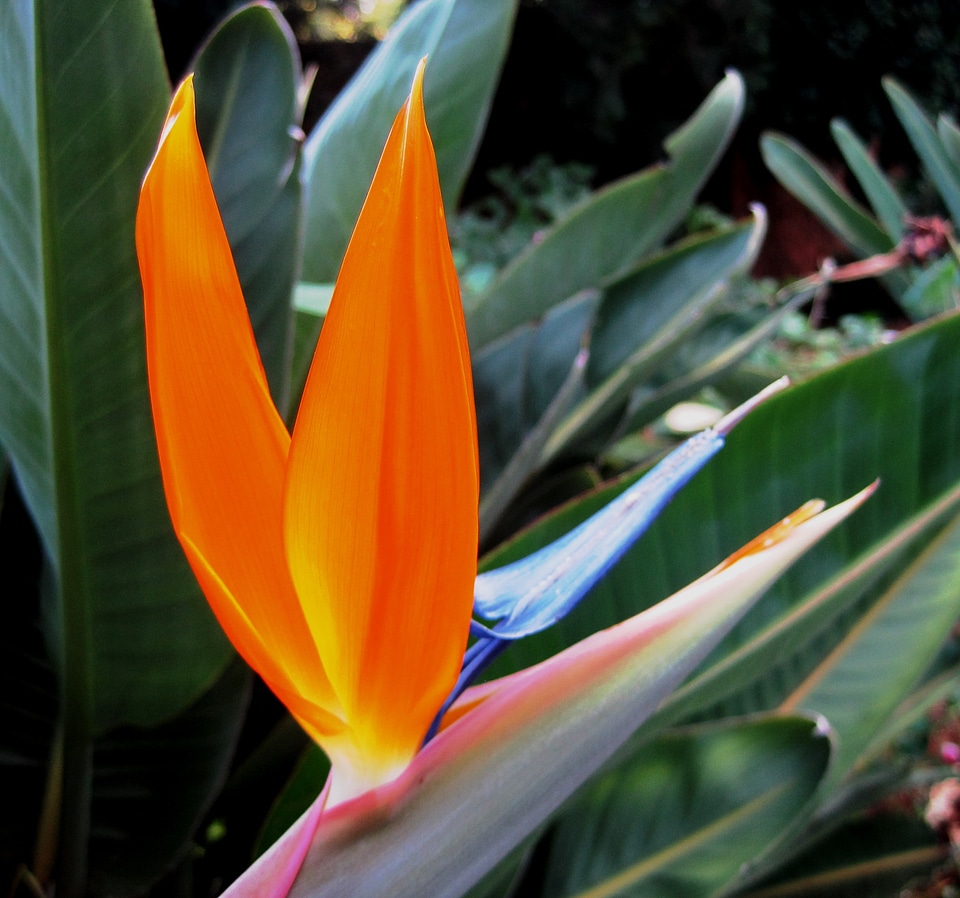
(610, 232)
(248, 118)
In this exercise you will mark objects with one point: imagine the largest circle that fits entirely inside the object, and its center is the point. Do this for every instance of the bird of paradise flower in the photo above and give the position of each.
(341, 560)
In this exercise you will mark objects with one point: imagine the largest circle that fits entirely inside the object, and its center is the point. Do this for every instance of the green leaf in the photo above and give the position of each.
(517, 378)
(711, 356)
(139, 642)
(153, 786)
(689, 811)
(949, 135)
(871, 857)
(810, 183)
(825, 437)
(934, 290)
(466, 41)
(786, 649)
(937, 163)
(82, 99)
(856, 686)
(645, 317)
(248, 118)
(883, 197)
(610, 232)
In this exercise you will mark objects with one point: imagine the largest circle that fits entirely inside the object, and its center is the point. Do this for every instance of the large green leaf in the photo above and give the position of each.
(466, 41)
(612, 231)
(689, 811)
(810, 183)
(248, 118)
(82, 98)
(790, 647)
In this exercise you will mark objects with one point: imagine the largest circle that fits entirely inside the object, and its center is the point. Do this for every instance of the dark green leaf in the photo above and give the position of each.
(826, 437)
(689, 812)
(516, 379)
(868, 858)
(645, 318)
(248, 118)
(82, 98)
(152, 786)
(856, 686)
(884, 199)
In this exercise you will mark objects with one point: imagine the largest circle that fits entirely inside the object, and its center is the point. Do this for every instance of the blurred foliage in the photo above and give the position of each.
(340, 20)
(915, 256)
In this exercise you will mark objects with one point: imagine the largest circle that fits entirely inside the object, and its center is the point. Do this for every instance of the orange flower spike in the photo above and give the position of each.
(382, 482)
(341, 563)
(222, 445)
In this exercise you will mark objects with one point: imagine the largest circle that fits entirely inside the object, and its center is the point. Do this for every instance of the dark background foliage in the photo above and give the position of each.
(603, 82)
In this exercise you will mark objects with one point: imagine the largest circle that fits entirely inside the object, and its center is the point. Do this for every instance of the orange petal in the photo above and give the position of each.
(223, 446)
(382, 483)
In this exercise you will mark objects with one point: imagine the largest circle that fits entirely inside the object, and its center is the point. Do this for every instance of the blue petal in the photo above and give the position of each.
(537, 591)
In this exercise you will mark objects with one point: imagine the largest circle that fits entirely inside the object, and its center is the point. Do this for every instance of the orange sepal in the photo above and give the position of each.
(382, 484)
(222, 445)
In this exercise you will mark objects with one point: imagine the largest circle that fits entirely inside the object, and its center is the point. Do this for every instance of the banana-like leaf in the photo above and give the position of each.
(689, 812)
(856, 686)
(816, 188)
(791, 645)
(883, 197)
(466, 41)
(130, 639)
(937, 162)
(610, 232)
(82, 97)
(513, 750)
(248, 118)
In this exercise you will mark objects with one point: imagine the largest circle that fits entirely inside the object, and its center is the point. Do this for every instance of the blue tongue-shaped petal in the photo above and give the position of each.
(535, 592)
(531, 594)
